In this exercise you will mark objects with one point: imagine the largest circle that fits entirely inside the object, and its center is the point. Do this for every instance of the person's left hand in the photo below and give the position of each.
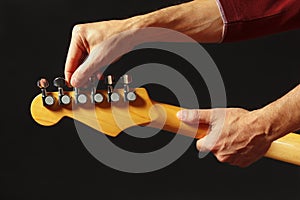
(236, 136)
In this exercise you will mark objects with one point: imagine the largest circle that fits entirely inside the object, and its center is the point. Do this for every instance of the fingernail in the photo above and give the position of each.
(202, 153)
(182, 114)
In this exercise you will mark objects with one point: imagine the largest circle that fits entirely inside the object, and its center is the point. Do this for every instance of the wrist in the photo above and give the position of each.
(270, 123)
(282, 116)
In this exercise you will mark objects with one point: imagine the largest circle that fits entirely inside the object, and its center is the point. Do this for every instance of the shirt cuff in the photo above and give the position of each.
(224, 20)
(247, 19)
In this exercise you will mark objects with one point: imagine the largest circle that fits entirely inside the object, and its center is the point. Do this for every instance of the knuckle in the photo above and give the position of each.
(82, 72)
(79, 29)
(222, 158)
(194, 115)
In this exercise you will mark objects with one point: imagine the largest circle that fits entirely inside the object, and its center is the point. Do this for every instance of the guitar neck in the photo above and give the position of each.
(165, 118)
(111, 120)
(286, 149)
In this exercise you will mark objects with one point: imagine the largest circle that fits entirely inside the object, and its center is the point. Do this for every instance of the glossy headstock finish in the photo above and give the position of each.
(110, 118)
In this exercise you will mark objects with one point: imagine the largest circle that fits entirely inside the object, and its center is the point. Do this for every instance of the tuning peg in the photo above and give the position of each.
(95, 97)
(60, 82)
(129, 95)
(48, 100)
(109, 79)
(127, 79)
(43, 83)
(112, 96)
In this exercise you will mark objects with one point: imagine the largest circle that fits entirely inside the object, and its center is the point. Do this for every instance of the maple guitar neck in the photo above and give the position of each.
(112, 119)
(286, 149)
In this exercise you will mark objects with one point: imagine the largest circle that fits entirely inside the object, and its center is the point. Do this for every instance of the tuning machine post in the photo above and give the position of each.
(111, 95)
(48, 100)
(64, 99)
(129, 95)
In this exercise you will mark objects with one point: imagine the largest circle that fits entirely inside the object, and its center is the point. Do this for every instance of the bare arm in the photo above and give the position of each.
(199, 19)
(283, 115)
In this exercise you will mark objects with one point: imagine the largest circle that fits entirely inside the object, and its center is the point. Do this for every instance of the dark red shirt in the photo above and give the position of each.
(245, 19)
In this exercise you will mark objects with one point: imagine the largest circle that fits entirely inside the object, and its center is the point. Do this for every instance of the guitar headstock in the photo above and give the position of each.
(109, 111)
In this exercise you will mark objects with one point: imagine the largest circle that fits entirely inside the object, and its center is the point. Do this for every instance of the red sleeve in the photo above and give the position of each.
(246, 19)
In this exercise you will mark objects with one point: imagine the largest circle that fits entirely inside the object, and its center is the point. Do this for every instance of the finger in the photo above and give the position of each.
(194, 116)
(87, 69)
(209, 142)
(202, 145)
(99, 76)
(225, 158)
(75, 57)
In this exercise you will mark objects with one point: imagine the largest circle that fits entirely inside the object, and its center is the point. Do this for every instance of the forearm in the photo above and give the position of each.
(199, 19)
(283, 115)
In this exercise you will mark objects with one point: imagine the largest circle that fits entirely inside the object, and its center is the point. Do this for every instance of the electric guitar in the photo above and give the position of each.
(113, 110)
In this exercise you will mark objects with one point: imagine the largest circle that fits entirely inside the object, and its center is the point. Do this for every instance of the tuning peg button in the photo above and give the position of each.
(109, 80)
(43, 83)
(60, 82)
(127, 79)
(48, 100)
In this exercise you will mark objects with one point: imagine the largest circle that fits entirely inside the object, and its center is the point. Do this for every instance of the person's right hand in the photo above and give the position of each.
(92, 46)
(95, 45)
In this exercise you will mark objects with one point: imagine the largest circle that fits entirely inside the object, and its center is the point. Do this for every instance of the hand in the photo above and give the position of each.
(92, 46)
(236, 136)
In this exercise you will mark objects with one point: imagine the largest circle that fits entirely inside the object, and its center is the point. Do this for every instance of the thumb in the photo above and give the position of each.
(203, 145)
(81, 75)
(194, 116)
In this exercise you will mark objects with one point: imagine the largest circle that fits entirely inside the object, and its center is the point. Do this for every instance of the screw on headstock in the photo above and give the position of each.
(48, 100)
(60, 82)
(95, 97)
(112, 96)
(129, 95)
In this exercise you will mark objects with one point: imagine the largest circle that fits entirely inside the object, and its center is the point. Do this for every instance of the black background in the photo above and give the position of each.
(51, 162)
